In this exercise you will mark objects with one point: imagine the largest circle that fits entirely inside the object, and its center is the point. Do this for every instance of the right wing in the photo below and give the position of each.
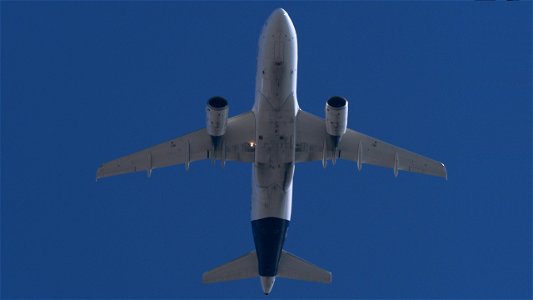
(313, 143)
(236, 145)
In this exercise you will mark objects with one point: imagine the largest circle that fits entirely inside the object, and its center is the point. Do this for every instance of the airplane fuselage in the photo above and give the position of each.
(275, 111)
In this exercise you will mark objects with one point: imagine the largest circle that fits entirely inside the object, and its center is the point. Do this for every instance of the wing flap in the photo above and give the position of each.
(189, 148)
(313, 144)
(379, 153)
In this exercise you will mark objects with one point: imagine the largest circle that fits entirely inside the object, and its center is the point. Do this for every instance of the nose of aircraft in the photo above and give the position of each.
(279, 21)
(279, 12)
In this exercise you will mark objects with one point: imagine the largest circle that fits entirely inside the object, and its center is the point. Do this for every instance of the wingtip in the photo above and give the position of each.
(99, 173)
(445, 171)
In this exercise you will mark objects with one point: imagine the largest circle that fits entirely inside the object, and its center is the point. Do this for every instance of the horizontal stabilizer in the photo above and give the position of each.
(293, 267)
(240, 268)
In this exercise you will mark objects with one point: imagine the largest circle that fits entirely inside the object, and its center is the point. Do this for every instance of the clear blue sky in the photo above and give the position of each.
(86, 82)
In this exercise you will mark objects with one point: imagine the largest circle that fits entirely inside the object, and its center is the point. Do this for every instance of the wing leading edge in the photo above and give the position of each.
(192, 147)
(313, 144)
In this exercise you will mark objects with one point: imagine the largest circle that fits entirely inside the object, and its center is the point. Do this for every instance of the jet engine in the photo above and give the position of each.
(336, 118)
(216, 118)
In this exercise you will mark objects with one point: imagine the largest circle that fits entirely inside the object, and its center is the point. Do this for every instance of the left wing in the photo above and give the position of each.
(194, 146)
(313, 143)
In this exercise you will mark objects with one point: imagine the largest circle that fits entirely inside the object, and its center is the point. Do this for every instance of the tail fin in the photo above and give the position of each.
(293, 267)
(240, 268)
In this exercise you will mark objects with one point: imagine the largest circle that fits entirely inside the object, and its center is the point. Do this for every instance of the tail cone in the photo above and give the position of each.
(267, 282)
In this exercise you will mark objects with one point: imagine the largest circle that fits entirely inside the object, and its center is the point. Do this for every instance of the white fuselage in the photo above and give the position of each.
(275, 111)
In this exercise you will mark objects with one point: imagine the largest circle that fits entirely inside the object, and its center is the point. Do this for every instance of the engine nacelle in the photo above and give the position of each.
(216, 118)
(336, 118)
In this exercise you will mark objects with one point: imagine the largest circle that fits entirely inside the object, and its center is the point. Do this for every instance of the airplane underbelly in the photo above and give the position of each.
(272, 191)
(275, 110)
(274, 160)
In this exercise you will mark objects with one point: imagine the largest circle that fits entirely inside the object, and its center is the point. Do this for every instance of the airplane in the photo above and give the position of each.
(274, 136)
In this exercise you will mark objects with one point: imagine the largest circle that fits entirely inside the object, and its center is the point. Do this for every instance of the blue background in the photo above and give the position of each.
(86, 82)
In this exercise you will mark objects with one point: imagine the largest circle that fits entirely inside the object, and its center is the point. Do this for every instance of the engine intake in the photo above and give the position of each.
(216, 118)
(336, 118)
